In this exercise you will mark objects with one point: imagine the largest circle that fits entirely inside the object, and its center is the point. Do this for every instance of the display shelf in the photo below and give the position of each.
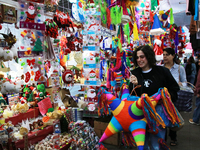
(31, 113)
(35, 137)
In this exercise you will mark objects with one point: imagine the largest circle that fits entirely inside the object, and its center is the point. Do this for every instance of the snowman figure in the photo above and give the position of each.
(91, 93)
(91, 41)
(92, 75)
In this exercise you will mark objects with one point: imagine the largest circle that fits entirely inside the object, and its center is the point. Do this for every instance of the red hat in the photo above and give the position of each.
(91, 87)
(92, 71)
(32, 88)
(31, 4)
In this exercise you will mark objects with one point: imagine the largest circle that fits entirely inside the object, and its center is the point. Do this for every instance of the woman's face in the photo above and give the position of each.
(142, 61)
(167, 58)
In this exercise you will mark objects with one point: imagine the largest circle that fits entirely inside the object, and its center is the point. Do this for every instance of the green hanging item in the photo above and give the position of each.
(116, 14)
(128, 62)
(154, 4)
(103, 15)
(171, 16)
(127, 32)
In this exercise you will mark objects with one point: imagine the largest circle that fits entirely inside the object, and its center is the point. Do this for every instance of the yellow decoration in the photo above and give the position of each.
(149, 41)
(20, 60)
(31, 79)
(135, 32)
(161, 12)
(28, 48)
(131, 3)
(41, 68)
(2, 121)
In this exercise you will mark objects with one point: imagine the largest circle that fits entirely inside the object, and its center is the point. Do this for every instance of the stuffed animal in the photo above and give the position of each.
(56, 114)
(20, 108)
(2, 100)
(7, 55)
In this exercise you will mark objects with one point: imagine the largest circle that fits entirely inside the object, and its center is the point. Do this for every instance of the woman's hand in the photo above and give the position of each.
(133, 80)
(180, 84)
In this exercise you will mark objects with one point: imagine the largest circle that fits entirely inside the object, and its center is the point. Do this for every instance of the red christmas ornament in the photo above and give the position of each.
(67, 76)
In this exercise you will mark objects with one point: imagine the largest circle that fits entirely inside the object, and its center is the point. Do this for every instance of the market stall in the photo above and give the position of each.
(60, 71)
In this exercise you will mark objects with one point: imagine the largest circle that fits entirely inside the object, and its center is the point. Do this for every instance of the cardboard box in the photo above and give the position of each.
(99, 128)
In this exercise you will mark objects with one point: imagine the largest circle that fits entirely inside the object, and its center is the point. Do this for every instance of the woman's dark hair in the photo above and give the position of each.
(171, 51)
(191, 59)
(148, 52)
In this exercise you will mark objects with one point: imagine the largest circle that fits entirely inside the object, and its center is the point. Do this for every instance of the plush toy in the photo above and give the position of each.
(20, 108)
(42, 90)
(2, 101)
(67, 76)
(56, 114)
(7, 55)
(131, 113)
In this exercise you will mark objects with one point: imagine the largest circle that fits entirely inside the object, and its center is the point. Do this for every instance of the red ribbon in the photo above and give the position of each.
(31, 62)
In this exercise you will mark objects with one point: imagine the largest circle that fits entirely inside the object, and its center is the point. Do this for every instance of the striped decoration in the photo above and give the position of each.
(128, 113)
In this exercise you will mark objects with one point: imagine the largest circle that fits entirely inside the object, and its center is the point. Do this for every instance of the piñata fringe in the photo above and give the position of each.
(102, 103)
(169, 108)
(127, 140)
(102, 147)
(150, 113)
(163, 144)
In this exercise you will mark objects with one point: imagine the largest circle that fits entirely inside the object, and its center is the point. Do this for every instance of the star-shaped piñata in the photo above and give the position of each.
(132, 113)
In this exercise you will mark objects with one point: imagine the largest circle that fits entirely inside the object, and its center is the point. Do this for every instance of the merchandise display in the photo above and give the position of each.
(63, 69)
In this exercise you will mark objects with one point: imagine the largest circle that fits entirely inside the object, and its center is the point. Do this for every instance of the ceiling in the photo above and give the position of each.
(178, 5)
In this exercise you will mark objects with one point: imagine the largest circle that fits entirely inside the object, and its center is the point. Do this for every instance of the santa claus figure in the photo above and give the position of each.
(92, 75)
(91, 93)
(91, 106)
(30, 13)
(67, 76)
(90, 59)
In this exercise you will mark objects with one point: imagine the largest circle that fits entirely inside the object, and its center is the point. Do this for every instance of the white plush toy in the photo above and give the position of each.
(14, 50)
(1, 52)
(7, 55)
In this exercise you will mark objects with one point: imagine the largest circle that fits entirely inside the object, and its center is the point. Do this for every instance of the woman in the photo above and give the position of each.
(151, 78)
(190, 69)
(171, 62)
(196, 114)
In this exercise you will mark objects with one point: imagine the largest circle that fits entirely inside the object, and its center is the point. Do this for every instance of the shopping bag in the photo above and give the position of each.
(184, 101)
(174, 127)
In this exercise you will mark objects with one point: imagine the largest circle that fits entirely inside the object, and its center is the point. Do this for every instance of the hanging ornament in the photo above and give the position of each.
(67, 76)
(125, 17)
(131, 3)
